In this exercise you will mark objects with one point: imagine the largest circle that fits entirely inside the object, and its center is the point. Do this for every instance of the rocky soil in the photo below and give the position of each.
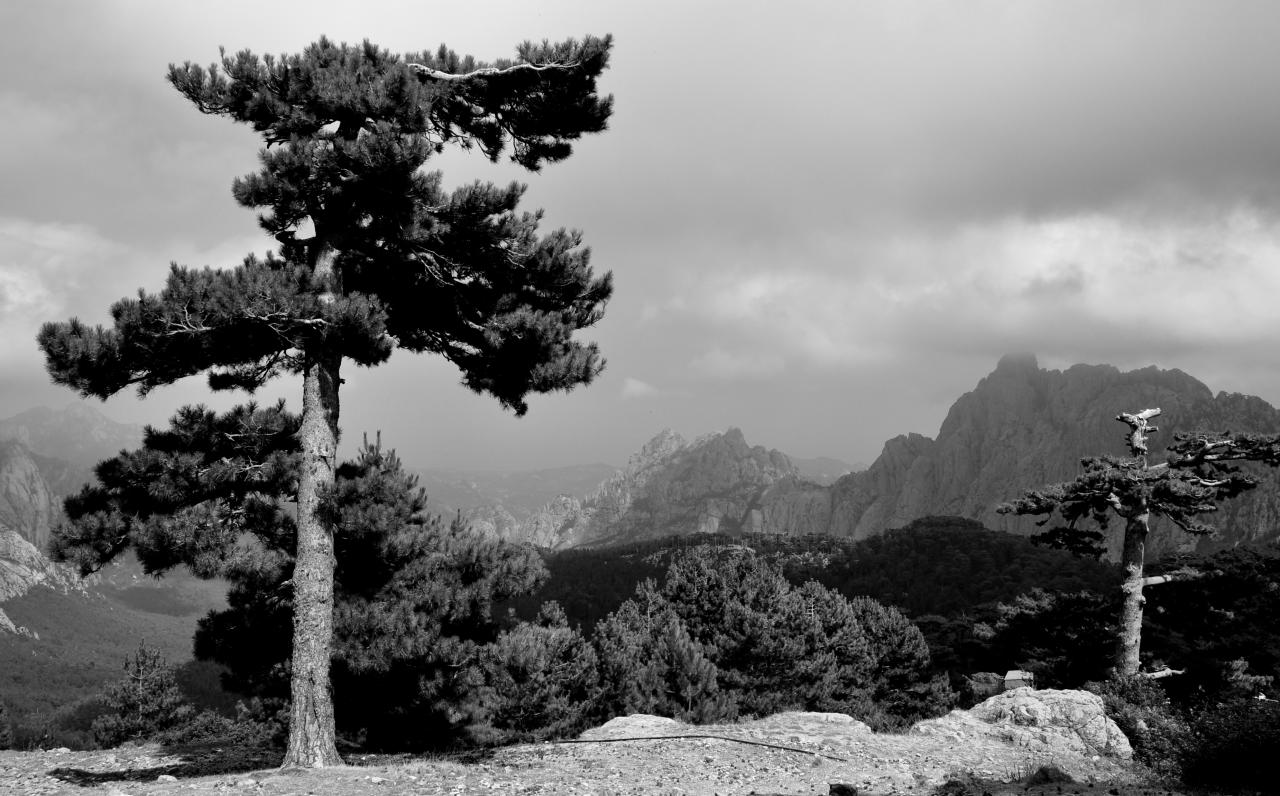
(790, 753)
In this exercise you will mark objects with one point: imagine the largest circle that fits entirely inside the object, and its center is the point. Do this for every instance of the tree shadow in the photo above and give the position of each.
(212, 759)
(198, 760)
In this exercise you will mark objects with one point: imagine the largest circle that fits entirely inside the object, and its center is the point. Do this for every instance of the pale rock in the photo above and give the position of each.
(1048, 721)
(23, 567)
(26, 503)
(633, 726)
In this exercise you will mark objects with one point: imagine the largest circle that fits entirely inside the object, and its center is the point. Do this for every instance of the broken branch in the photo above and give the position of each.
(425, 72)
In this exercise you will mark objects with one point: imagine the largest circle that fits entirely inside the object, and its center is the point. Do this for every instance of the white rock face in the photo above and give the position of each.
(23, 567)
(6, 624)
(1051, 721)
(26, 504)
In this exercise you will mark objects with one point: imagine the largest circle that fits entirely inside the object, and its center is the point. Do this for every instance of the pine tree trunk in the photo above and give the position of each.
(311, 730)
(1129, 641)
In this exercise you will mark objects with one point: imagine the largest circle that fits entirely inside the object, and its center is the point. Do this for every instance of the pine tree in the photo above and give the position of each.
(1196, 476)
(541, 679)
(414, 596)
(143, 702)
(650, 664)
(374, 256)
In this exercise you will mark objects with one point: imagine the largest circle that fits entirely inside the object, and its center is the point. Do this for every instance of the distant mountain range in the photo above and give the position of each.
(1020, 428)
(520, 492)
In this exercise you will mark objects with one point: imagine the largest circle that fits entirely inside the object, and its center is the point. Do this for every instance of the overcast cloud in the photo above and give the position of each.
(825, 220)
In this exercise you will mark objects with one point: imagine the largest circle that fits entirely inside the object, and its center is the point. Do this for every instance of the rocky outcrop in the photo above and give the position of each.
(1024, 427)
(26, 503)
(670, 486)
(23, 567)
(1054, 723)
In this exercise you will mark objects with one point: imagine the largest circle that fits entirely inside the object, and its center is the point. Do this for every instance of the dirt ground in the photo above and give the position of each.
(789, 754)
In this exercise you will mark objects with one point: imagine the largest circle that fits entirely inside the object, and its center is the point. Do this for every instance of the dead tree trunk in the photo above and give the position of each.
(1129, 637)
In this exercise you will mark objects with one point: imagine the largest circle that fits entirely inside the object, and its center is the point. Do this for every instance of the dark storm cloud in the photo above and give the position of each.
(813, 210)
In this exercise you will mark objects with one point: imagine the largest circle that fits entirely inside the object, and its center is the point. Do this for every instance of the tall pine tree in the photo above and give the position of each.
(374, 255)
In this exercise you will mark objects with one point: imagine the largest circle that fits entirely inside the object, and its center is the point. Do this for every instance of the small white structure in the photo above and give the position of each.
(1016, 678)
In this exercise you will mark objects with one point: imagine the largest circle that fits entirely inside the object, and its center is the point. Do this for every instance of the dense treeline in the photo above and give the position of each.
(946, 565)
(935, 565)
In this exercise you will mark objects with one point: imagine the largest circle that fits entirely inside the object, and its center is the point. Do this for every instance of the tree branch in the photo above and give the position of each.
(426, 73)
(1185, 573)
(1162, 673)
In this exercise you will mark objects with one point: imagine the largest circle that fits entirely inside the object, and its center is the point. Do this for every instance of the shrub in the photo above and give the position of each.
(208, 726)
(1160, 735)
(1236, 746)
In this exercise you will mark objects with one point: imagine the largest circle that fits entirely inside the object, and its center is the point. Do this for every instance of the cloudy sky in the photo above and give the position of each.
(826, 220)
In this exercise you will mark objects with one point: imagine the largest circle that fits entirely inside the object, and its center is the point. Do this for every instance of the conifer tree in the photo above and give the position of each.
(1196, 476)
(143, 702)
(541, 679)
(414, 596)
(374, 255)
(649, 664)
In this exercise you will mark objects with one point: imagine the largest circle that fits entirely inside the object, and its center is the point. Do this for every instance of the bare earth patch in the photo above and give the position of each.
(820, 749)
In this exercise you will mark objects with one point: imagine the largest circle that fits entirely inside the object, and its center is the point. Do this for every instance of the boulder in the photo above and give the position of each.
(1048, 721)
(637, 725)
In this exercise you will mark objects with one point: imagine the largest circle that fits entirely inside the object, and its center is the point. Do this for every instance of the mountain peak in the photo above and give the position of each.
(663, 444)
(1019, 361)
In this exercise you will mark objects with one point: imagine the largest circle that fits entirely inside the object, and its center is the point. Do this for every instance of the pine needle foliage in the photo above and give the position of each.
(206, 492)
(464, 274)
(373, 255)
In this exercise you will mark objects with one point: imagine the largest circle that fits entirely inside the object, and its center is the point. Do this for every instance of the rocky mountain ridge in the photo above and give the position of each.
(669, 486)
(1021, 427)
(27, 505)
(1024, 427)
